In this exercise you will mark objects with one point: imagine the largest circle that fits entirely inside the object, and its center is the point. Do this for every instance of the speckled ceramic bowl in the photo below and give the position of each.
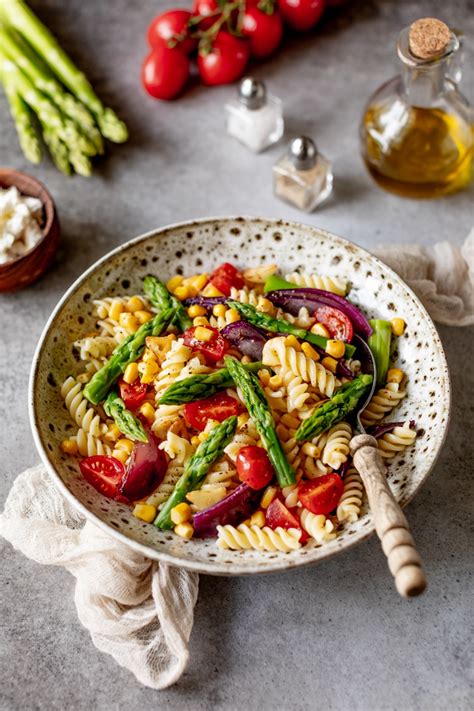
(202, 245)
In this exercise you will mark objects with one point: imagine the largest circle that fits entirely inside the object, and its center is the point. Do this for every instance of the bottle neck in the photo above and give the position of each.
(423, 85)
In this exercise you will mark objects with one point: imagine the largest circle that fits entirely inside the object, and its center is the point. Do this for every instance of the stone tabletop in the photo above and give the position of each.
(332, 637)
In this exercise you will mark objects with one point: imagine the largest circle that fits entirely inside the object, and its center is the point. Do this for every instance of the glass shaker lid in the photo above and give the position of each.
(303, 152)
(252, 93)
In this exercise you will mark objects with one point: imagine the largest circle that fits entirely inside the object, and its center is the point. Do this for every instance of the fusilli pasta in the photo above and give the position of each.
(244, 537)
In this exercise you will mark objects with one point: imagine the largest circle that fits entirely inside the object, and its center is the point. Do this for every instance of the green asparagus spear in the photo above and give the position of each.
(202, 385)
(23, 19)
(24, 122)
(128, 424)
(127, 352)
(259, 411)
(197, 468)
(335, 409)
(58, 150)
(379, 344)
(160, 297)
(276, 325)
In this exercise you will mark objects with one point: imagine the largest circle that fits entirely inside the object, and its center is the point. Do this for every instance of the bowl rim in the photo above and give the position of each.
(213, 568)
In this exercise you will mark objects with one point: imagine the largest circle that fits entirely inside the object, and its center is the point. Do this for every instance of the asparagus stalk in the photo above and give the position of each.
(197, 467)
(259, 411)
(128, 424)
(202, 385)
(379, 344)
(276, 325)
(127, 352)
(335, 409)
(24, 122)
(58, 150)
(161, 298)
(23, 19)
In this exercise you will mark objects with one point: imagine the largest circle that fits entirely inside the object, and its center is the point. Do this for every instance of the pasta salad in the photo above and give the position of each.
(220, 405)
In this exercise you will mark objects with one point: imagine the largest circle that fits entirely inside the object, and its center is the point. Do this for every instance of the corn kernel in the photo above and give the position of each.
(128, 321)
(320, 330)
(143, 316)
(181, 292)
(196, 310)
(290, 420)
(334, 348)
(329, 363)
(148, 411)
(181, 513)
(125, 444)
(203, 334)
(116, 308)
(148, 371)
(145, 512)
(211, 290)
(219, 310)
(195, 441)
(174, 282)
(121, 455)
(113, 433)
(134, 304)
(292, 342)
(130, 373)
(258, 519)
(200, 321)
(149, 356)
(69, 446)
(398, 326)
(197, 282)
(265, 305)
(268, 496)
(185, 530)
(394, 375)
(232, 316)
(309, 351)
(246, 522)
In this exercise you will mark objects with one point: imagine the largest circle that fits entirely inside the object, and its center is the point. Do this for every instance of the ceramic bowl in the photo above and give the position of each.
(20, 272)
(201, 245)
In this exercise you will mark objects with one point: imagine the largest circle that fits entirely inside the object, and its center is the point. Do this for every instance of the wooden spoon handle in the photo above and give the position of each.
(391, 525)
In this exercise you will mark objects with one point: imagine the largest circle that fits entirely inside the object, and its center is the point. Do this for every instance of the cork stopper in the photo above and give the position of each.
(428, 38)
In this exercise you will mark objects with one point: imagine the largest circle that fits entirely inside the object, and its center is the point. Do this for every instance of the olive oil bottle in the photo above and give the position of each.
(417, 130)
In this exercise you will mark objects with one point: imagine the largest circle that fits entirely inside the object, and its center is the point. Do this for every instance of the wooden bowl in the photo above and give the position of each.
(26, 269)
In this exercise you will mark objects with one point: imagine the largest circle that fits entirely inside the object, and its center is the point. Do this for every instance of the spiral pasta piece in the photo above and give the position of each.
(177, 448)
(290, 494)
(317, 526)
(88, 445)
(336, 449)
(391, 443)
(277, 353)
(79, 408)
(222, 474)
(314, 281)
(254, 298)
(382, 402)
(245, 537)
(171, 368)
(162, 492)
(289, 444)
(349, 506)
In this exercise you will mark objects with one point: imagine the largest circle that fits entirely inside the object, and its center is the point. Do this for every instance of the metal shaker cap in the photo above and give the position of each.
(252, 93)
(303, 152)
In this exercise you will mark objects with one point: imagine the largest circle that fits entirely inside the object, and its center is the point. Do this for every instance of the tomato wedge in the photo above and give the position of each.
(133, 394)
(321, 495)
(213, 350)
(254, 467)
(336, 322)
(278, 516)
(103, 473)
(217, 407)
(225, 277)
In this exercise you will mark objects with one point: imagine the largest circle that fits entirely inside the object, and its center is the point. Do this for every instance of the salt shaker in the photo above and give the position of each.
(302, 176)
(255, 117)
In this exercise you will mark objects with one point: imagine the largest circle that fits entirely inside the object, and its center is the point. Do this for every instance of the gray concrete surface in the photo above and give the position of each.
(333, 637)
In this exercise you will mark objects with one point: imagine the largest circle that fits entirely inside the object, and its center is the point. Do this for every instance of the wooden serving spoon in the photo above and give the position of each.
(391, 525)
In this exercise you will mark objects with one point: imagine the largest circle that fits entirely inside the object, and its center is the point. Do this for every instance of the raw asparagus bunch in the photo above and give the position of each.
(335, 409)
(128, 424)
(197, 467)
(259, 411)
(161, 298)
(23, 117)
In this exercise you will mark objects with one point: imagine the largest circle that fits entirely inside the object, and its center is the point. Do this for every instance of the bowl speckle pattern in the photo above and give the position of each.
(202, 245)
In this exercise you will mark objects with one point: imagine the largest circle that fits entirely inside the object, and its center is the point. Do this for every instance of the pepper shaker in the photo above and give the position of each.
(255, 117)
(302, 176)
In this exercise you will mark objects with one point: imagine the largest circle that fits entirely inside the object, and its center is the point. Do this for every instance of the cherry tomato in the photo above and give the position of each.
(205, 8)
(212, 350)
(263, 31)
(226, 60)
(165, 71)
(254, 467)
(301, 15)
(170, 25)
(225, 277)
(336, 322)
(103, 473)
(216, 407)
(321, 495)
(133, 394)
(278, 516)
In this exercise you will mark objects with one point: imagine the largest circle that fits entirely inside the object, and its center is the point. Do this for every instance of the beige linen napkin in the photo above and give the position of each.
(141, 611)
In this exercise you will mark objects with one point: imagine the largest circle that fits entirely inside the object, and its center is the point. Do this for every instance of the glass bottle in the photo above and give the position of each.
(255, 117)
(302, 176)
(416, 132)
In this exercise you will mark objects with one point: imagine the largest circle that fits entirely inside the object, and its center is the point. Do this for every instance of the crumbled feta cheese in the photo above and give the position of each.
(20, 219)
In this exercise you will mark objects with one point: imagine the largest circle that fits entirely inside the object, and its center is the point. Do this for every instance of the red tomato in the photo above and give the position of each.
(165, 71)
(103, 473)
(205, 8)
(263, 31)
(301, 15)
(278, 516)
(226, 60)
(133, 394)
(216, 407)
(170, 25)
(336, 322)
(225, 277)
(254, 467)
(321, 495)
(212, 350)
